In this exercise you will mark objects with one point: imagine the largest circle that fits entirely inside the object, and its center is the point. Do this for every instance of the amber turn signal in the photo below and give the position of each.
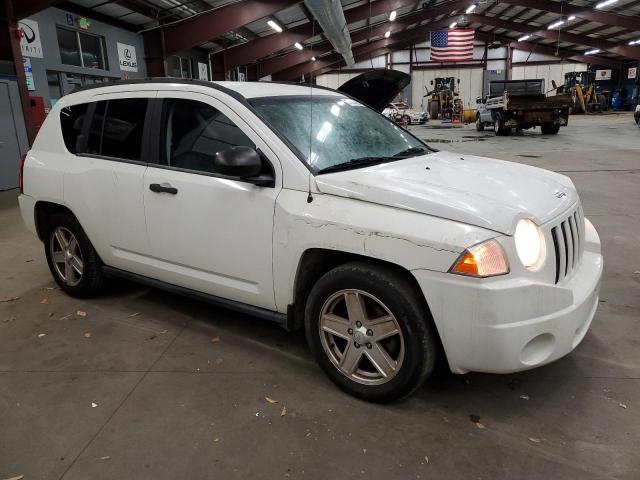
(486, 259)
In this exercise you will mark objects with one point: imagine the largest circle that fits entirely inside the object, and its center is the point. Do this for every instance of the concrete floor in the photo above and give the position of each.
(136, 388)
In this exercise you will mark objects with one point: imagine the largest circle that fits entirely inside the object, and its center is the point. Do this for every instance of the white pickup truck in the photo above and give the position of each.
(308, 208)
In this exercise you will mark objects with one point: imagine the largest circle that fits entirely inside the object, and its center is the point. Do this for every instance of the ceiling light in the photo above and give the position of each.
(471, 8)
(606, 3)
(392, 16)
(591, 52)
(298, 45)
(275, 26)
(387, 34)
(555, 24)
(524, 37)
(571, 18)
(453, 25)
(635, 42)
(313, 59)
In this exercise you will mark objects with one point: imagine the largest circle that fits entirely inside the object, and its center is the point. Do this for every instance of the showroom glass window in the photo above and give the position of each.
(116, 128)
(81, 49)
(71, 122)
(194, 132)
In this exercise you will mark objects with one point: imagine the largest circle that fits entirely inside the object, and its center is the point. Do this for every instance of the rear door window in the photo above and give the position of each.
(117, 127)
(71, 121)
(123, 127)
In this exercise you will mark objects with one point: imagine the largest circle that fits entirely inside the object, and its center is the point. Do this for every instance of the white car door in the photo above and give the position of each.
(103, 185)
(208, 232)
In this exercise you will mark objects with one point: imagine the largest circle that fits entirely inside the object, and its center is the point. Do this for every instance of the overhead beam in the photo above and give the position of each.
(623, 50)
(549, 50)
(288, 60)
(277, 64)
(393, 42)
(199, 29)
(264, 46)
(562, 8)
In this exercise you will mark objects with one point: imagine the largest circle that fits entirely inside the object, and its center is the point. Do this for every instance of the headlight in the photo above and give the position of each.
(530, 244)
(486, 259)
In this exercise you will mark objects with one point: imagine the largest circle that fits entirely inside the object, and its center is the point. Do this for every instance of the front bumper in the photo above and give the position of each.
(507, 324)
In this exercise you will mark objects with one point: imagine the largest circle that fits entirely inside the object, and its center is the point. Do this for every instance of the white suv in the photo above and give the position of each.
(313, 210)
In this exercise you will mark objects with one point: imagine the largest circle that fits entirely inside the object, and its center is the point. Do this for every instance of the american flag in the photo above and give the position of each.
(453, 45)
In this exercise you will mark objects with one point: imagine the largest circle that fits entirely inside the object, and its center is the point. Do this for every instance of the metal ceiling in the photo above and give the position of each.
(609, 29)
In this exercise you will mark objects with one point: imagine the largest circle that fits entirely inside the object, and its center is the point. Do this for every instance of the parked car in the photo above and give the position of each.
(401, 113)
(316, 212)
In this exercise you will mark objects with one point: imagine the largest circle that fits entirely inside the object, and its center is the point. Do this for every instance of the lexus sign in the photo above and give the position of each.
(127, 58)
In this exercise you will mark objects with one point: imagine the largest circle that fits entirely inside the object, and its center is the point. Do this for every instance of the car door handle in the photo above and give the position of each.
(163, 188)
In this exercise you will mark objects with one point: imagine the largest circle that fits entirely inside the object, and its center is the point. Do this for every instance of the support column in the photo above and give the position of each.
(10, 51)
(155, 53)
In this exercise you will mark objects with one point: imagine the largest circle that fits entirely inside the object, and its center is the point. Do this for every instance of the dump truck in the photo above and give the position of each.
(521, 104)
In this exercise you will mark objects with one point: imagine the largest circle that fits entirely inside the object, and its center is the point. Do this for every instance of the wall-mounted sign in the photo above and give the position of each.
(127, 58)
(632, 72)
(69, 18)
(203, 73)
(603, 74)
(28, 73)
(30, 44)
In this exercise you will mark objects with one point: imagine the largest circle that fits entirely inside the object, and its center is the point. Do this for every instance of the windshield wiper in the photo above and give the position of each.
(357, 162)
(411, 152)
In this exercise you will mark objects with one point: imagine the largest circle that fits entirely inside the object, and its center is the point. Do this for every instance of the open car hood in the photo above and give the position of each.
(376, 88)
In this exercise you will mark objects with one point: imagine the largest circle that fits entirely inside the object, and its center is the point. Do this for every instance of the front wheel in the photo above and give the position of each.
(479, 124)
(369, 331)
(73, 261)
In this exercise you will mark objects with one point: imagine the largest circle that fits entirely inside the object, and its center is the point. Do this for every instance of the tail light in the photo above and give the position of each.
(21, 173)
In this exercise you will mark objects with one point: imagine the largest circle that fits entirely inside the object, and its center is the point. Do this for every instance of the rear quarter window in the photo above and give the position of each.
(71, 121)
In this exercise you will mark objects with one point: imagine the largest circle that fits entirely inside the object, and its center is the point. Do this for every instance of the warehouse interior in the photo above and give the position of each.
(145, 383)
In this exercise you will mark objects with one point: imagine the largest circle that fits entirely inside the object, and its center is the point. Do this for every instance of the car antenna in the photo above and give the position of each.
(313, 34)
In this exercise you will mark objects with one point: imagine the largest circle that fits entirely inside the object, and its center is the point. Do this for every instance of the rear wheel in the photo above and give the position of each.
(479, 124)
(498, 126)
(73, 261)
(550, 128)
(369, 331)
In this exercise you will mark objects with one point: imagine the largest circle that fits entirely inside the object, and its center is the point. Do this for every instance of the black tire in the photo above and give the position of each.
(433, 110)
(550, 128)
(92, 276)
(405, 119)
(406, 305)
(498, 126)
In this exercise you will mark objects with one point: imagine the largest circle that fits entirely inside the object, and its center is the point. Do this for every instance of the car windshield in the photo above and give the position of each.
(328, 132)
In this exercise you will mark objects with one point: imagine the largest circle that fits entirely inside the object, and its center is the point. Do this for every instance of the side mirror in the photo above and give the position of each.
(553, 84)
(244, 163)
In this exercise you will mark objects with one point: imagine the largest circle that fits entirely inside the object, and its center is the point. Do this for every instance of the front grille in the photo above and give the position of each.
(568, 242)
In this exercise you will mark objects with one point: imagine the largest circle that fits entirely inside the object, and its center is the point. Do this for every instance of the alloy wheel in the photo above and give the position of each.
(361, 337)
(66, 256)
